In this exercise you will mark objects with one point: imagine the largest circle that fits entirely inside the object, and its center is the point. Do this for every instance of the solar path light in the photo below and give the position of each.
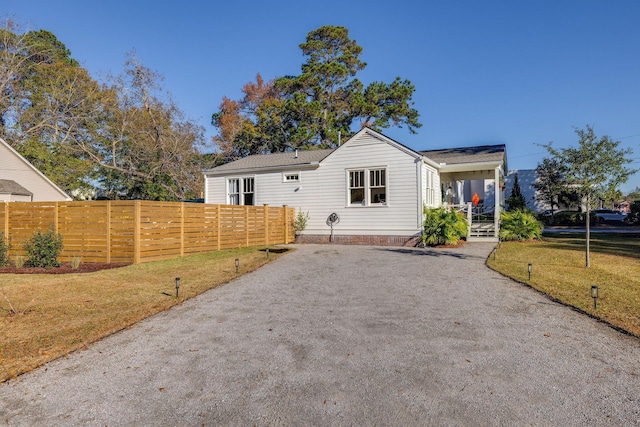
(177, 286)
(594, 295)
(529, 268)
(237, 264)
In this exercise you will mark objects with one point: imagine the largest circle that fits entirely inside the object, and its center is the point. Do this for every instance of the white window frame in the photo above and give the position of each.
(291, 177)
(367, 186)
(240, 191)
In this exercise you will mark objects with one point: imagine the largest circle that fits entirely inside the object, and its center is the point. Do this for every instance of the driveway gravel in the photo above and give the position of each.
(348, 335)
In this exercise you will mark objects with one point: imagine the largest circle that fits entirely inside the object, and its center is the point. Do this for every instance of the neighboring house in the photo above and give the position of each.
(21, 181)
(376, 186)
(526, 178)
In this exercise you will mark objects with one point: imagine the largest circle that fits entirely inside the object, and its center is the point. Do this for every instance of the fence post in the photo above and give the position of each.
(182, 229)
(286, 226)
(266, 224)
(218, 213)
(246, 226)
(108, 227)
(136, 232)
(6, 220)
(55, 217)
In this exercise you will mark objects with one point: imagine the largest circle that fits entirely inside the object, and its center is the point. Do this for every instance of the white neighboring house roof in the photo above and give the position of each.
(12, 173)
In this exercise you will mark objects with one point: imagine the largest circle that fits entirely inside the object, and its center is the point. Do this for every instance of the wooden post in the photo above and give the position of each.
(55, 216)
(108, 230)
(266, 224)
(136, 232)
(219, 224)
(286, 226)
(6, 220)
(182, 229)
(246, 226)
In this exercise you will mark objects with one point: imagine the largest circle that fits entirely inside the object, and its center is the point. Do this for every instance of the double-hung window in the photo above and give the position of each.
(367, 187)
(241, 191)
(356, 187)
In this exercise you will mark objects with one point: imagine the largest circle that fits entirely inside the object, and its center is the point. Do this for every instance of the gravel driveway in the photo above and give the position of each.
(348, 335)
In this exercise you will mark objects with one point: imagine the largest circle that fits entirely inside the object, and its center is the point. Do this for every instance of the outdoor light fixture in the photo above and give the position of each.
(495, 251)
(529, 267)
(594, 295)
(177, 285)
(237, 264)
(267, 252)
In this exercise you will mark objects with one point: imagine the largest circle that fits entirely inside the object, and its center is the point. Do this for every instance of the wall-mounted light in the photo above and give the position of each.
(177, 286)
(594, 295)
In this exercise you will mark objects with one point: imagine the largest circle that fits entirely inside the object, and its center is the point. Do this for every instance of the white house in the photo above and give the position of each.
(21, 181)
(375, 186)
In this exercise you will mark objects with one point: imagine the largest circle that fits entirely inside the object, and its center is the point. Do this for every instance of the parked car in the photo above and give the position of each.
(604, 215)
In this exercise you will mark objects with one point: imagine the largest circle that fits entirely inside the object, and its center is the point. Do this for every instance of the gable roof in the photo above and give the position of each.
(290, 160)
(34, 169)
(479, 154)
(8, 186)
(273, 161)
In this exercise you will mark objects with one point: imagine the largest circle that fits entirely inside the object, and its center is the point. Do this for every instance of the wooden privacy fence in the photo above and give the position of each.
(135, 231)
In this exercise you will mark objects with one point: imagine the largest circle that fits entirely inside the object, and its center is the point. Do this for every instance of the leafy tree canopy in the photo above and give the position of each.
(595, 168)
(124, 136)
(316, 108)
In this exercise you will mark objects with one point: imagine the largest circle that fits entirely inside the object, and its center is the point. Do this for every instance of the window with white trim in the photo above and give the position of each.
(367, 187)
(377, 186)
(291, 177)
(241, 191)
(356, 187)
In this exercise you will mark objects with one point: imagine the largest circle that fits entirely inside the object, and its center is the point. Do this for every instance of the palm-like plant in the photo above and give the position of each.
(519, 225)
(443, 227)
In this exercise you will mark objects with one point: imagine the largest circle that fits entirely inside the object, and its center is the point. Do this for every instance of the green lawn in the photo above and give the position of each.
(558, 270)
(45, 316)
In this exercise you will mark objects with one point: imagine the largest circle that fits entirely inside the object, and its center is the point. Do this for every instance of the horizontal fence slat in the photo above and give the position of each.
(110, 231)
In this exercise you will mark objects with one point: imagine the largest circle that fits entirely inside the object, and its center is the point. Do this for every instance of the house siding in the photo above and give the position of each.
(322, 190)
(16, 168)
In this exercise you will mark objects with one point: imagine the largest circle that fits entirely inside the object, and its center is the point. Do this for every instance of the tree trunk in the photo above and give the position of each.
(588, 232)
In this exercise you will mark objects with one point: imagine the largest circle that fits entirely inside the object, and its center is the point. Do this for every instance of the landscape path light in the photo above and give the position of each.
(529, 268)
(594, 295)
(237, 264)
(177, 286)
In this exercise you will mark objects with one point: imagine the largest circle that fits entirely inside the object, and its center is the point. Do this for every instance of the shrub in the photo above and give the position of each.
(519, 225)
(300, 223)
(43, 249)
(443, 227)
(4, 250)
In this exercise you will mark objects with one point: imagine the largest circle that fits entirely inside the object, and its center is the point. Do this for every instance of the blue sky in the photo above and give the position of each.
(520, 73)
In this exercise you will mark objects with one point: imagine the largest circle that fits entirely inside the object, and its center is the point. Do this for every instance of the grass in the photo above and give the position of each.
(559, 271)
(43, 317)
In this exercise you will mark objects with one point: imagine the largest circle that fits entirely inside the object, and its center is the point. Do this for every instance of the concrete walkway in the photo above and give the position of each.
(348, 335)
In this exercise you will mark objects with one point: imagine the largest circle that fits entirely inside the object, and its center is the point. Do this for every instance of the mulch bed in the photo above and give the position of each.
(65, 268)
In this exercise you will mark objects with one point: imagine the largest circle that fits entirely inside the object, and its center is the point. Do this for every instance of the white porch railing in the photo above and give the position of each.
(481, 224)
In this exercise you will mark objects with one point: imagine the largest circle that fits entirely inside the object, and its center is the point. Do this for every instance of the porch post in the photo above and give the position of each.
(497, 208)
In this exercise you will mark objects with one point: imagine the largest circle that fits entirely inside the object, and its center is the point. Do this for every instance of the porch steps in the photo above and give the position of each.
(482, 232)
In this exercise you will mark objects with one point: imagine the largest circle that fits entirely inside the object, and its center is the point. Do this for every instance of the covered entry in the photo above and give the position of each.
(465, 172)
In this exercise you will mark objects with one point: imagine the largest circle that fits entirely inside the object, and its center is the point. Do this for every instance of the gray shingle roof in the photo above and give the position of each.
(8, 186)
(479, 154)
(259, 161)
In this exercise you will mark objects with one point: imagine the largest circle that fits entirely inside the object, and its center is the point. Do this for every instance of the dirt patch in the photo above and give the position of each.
(65, 268)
